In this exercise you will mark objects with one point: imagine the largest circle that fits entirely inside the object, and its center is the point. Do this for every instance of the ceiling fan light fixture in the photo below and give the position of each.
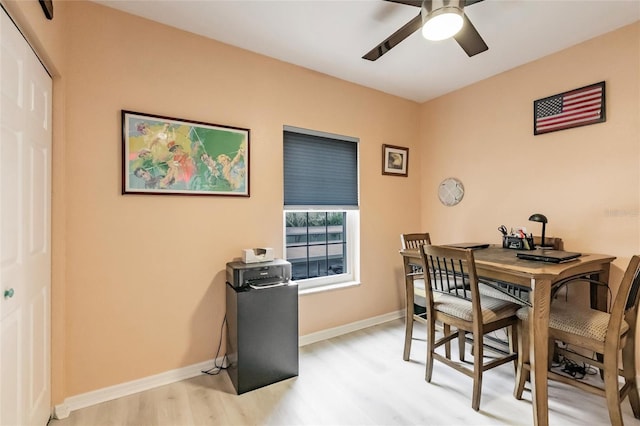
(441, 19)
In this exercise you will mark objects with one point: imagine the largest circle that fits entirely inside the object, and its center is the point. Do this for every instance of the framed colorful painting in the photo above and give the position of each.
(164, 155)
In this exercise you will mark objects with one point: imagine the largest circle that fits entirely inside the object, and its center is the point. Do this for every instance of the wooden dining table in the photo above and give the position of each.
(501, 264)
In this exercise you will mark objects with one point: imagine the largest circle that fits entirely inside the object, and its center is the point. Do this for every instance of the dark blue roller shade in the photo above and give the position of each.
(320, 171)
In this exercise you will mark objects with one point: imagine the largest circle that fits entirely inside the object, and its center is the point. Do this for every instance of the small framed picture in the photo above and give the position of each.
(395, 160)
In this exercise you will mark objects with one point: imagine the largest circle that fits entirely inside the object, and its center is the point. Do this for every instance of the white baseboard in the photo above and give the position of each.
(348, 328)
(77, 402)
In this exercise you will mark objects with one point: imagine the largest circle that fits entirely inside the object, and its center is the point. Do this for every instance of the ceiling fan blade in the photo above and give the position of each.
(416, 3)
(469, 39)
(409, 28)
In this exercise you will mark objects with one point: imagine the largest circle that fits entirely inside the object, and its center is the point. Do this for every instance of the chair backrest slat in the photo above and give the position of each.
(634, 291)
(450, 271)
(414, 240)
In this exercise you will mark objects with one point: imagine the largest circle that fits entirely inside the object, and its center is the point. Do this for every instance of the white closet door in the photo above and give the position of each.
(25, 232)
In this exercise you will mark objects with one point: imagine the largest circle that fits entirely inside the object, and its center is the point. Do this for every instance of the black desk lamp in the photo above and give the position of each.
(537, 217)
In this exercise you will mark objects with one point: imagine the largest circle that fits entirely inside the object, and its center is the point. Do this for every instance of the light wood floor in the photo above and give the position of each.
(356, 379)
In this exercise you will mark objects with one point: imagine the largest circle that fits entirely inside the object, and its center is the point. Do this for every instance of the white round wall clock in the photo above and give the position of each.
(450, 191)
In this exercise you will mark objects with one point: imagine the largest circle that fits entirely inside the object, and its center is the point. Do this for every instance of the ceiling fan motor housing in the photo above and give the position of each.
(429, 6)
(441, 19)
(438, 20)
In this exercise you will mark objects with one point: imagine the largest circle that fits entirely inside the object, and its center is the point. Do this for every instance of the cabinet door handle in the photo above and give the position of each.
(8, 294)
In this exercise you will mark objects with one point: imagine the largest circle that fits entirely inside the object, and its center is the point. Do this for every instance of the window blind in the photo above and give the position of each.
(320, 171)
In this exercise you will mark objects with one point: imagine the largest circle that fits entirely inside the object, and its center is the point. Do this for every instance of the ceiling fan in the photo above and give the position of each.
(432, 11)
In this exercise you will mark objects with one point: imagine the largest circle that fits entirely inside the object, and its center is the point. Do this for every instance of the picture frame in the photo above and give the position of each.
(395, 160)
(566, 110)
(166, 155)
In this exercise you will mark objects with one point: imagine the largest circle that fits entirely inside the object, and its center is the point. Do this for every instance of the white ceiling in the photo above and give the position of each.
(331, 36)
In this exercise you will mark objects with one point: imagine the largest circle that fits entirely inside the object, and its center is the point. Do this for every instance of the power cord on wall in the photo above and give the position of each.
(216, 369)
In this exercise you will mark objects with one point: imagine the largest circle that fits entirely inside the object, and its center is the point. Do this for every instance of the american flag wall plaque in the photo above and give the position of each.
(574, 108)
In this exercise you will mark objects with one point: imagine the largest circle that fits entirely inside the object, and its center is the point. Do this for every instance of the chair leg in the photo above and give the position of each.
(634, 399)
(611, 391)
(408, 331)
(478, 361)
(462, 340)
(523, 358)
(512, 335)
(629, 373)
(600, 357)
(446, 328)
(551, 344)
(431, 342)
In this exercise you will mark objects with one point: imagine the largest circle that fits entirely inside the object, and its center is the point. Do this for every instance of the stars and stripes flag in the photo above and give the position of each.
(570, 109)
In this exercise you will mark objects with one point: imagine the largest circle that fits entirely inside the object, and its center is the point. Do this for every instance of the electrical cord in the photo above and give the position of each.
(574, 369)
(564, 283)
(216, 369)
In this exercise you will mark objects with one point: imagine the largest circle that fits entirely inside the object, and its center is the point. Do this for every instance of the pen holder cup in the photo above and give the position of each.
(517, 243)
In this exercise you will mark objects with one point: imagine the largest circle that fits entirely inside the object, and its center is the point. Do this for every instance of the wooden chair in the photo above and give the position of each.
(605, 334)
(415, 305)
(415, 289)
(463, 307)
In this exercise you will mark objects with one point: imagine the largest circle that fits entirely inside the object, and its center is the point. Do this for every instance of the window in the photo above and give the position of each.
(321, 218)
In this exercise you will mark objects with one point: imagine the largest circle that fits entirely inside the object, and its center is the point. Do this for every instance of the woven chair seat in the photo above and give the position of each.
(420, 291)
(577, 320)
(488, 290)
(492, 309)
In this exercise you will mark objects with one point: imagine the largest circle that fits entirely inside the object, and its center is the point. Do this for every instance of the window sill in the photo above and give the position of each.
(328, 287)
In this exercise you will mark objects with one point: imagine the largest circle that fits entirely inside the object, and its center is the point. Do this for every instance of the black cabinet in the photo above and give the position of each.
(262, 338)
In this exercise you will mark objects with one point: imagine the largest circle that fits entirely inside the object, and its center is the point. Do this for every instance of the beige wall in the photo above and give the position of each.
(145, 274)
(138, 281)
(585, 180)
